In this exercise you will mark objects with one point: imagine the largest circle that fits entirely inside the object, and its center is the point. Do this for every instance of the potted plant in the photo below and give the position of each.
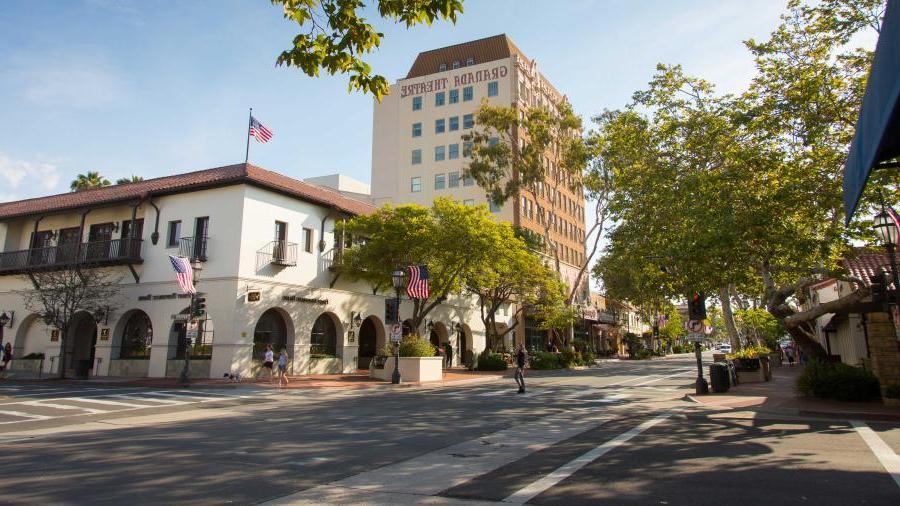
(417, 361)
(752, 364)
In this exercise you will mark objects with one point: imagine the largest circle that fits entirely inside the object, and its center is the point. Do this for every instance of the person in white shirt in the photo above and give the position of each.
(282, 368)
(269, 361)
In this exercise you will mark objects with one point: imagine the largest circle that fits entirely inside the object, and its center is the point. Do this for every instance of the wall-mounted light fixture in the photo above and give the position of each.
(6, 318)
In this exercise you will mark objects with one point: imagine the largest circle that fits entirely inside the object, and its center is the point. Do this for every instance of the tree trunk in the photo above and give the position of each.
(725, 296)
(63, 341)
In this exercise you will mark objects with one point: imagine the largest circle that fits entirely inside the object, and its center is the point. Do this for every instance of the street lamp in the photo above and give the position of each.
(398, 278)
(887, 231)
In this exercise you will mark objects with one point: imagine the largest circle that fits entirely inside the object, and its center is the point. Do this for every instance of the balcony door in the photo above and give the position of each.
(280, 238)
(41, 247)
(67, 245)
(201, 230)
(99, 240)
(131, 242)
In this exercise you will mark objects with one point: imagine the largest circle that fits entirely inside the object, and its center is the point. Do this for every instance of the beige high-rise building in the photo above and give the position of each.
(418, 153)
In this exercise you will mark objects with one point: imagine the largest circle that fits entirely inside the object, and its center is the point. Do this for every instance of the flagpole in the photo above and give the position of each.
(249, 122)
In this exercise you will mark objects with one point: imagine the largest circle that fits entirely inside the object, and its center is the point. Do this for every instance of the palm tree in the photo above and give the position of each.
(90, 180)
(132, 179)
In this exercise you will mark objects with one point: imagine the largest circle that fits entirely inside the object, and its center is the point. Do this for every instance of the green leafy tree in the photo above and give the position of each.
(760, 325)
(91, 179)
(335, 36)
(515, 277)
(451, 239)
(132, 179)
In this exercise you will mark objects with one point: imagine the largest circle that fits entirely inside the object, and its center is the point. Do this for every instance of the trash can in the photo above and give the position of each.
(84, 369)
(718, 377)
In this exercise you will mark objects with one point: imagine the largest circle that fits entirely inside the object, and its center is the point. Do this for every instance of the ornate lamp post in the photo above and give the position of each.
(398, 278)
(887, 232)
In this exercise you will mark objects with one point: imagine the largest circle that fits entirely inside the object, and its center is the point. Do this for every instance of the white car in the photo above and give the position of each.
(725, 348)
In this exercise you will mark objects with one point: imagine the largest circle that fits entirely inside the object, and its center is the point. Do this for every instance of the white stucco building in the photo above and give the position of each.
(265, 242)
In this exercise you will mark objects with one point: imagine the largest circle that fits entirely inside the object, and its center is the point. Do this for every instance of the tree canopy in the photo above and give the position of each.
(90, 179)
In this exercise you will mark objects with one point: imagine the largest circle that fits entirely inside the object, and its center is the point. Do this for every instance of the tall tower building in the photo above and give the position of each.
(418, 153)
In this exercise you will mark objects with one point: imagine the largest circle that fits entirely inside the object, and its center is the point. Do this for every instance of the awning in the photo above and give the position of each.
(877, 135)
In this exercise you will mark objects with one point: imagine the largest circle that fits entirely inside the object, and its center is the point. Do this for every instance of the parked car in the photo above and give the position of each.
(725, 348)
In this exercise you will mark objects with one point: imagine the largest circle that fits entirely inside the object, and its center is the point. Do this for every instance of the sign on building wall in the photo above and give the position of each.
(456, 81)
(252, 296)
(54, 335)
(104, 334)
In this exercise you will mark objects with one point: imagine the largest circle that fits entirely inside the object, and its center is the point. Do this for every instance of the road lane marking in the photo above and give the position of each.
(20, 414)
(167, 402)
(187, 397)
(105, 402)
(564, 471)
(45, 404)
(883, 452)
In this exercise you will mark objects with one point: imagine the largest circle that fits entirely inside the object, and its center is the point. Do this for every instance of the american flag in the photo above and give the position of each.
(183, 273)
(259, 131)
(418, 282)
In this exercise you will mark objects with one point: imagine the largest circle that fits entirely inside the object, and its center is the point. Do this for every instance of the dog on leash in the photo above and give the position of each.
(233, 377)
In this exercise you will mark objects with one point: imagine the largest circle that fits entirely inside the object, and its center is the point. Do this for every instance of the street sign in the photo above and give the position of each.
(696, 337)
(695, 326)
(396, 332)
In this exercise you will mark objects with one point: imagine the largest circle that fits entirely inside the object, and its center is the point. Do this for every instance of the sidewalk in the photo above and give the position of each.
(779, 397)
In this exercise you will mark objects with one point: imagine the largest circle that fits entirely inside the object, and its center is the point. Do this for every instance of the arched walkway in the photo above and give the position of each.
(272, 328)
(371, 338)
(81, 339)
(464, 338)
(31, 336)
(134, 335)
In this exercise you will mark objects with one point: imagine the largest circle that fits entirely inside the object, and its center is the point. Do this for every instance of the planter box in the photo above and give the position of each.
(757, 376)
(26, 365)
(412, 369)
(131, 368)
(747, 364)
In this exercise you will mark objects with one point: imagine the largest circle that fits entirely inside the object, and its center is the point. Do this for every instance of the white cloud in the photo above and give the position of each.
(79, 77)
(30, 177)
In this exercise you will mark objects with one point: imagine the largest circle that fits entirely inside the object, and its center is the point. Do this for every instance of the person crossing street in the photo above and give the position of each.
(521, 359)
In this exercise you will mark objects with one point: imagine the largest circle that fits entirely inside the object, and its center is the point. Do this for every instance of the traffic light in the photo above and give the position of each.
(697, 306)
(199, 307)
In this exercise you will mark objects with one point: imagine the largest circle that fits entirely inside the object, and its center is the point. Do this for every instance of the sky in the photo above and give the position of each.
(160, 87)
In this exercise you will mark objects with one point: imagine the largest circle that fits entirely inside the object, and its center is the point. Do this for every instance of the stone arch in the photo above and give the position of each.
(132, 335)
(201, 349)
(26, 338)
(274, 320)
(371, 339)
(326, 336)
(81, 340)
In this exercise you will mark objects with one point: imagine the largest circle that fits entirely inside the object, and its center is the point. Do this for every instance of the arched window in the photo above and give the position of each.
(270, 329)
(323, 341)
(137, 336)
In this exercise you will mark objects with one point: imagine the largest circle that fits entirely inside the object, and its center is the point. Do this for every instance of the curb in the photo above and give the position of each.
(830, 415)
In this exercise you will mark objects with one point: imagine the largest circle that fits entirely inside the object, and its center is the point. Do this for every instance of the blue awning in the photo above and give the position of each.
(878, 129)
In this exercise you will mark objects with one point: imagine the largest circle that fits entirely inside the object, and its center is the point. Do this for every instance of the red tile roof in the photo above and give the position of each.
(865, 264)
(181, 183)
(483, 50)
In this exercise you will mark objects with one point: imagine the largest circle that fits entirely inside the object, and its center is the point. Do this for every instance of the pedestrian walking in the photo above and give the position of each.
(448, 350)
(282, 368)
(789, 351)
(7, 358)
(269, 361)
(519, 375)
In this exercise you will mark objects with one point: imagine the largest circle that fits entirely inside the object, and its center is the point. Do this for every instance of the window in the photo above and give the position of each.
(494, 208)
(416, 156)
(415, 184)
(439, 181)
(470, 61)
(467, 94)
(454, 179)
(439, 126)
(416, 129)
(270, 330)
(456, 64)
(468, 202)
(468, 180)
(174, 235)
(442, 67)
(468, 121)
(467, 148)
(454, 96)
(323, 339)
(439, 153)
(308, 240)
(454, 151)
(137, 336)
(493, 89)
(439, 98)
(454, 123)
(417, 103)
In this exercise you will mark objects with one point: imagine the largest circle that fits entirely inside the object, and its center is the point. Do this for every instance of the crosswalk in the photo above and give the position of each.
(20, 405)
(563, 393)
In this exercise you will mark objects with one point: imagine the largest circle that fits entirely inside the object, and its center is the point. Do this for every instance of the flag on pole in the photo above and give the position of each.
(259, 131)
(184, 273)
(417, 288)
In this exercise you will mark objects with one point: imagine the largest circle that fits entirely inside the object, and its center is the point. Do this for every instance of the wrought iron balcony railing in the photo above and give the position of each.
(94, 253)
(194, 248)
(280, 253)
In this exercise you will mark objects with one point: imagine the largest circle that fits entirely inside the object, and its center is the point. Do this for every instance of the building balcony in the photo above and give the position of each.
(279, 253)
(194, 248)
(87, 254)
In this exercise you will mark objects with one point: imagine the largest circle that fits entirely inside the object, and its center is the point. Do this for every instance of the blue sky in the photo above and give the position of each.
(161, 87)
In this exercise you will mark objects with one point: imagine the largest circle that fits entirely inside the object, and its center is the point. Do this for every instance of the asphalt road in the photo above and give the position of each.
(617, 434)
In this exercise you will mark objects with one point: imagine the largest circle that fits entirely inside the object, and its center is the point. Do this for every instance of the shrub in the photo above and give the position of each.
(677, 349)
(469, 359)
(488, 361)
(567, 359)
(414, 346)
(837, 381)
(892, 392)
(544, 360)
(642, 354)
(587, 357)
(749, 352)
